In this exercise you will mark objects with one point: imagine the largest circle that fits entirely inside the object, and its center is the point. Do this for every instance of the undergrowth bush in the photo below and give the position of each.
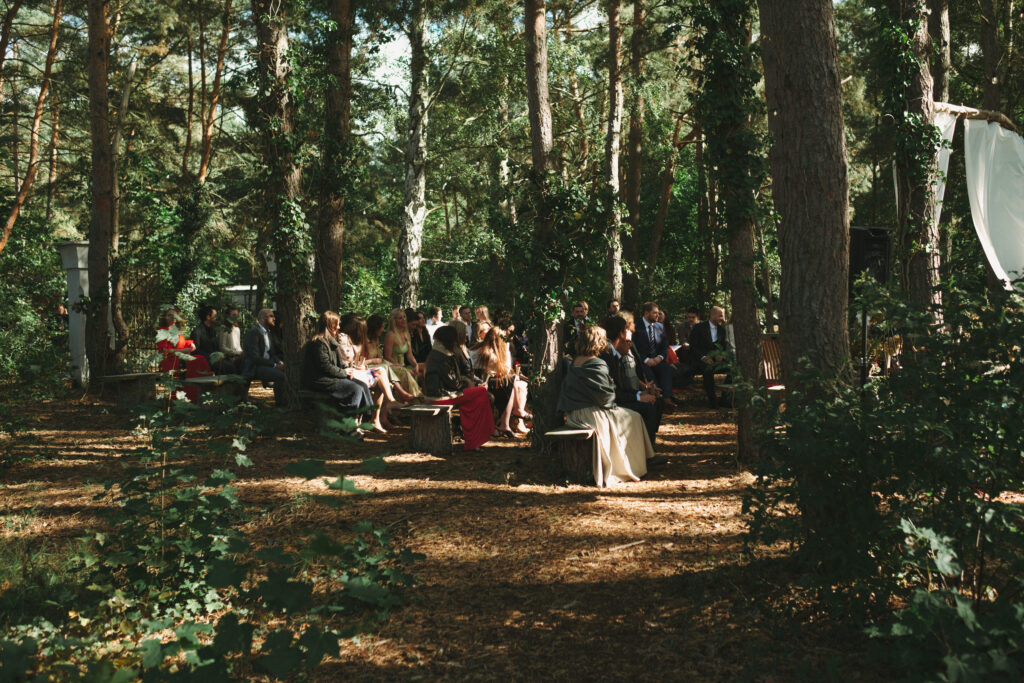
(173, 587)
(905, 490)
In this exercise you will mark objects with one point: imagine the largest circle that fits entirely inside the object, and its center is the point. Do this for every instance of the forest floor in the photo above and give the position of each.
(525, 578)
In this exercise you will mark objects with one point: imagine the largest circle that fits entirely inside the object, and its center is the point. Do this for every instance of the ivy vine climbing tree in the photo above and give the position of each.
(726, 102)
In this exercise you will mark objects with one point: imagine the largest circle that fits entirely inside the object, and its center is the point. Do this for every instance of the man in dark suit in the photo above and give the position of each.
(261, 356)
(708, 348)
(652, 346)
(574, 327)
(625, 369)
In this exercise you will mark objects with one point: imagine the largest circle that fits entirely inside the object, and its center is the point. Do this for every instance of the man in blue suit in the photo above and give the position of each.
(652, 346)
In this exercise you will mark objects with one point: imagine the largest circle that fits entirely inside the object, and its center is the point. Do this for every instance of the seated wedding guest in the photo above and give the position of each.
(626, 371)
(324, 370)
(420, 339)
(205, 336)
(483, 322)
(573, 327)
(388, 390)
(444, 376)
(652, 347)
(397, 372)
(466, 316)
(433, 321)
(172, 342)
(462, 353)
(611, 310)
(262, 357)
(494, 364)
(398, 342)
(383, 398)
(621, 445)
(709, 348)
(230, 341)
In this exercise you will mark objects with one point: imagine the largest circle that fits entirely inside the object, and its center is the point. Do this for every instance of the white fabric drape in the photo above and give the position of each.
(995, 185)
(946, 123)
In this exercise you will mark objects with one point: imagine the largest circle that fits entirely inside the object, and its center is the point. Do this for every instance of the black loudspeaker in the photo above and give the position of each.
(869, 251)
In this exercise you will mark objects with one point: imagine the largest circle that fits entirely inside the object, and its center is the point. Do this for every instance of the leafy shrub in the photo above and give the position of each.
(871, 482)
(173, 587)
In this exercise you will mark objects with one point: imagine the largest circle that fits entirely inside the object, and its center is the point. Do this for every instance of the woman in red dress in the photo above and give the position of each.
(444, 377)
(197, 367)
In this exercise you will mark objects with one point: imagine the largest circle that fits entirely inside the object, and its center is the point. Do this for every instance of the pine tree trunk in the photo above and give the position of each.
(51, 185)
(545, 342)
(206, 146)
(117, 279)
(918, 234)
(613, 140)
(634, 152)
(97, 335)
(668, 178)
(802, 75)
(282, 191)
(21, 197)
(337, 138)
(5, 38)
(414, 209)
(941, 63)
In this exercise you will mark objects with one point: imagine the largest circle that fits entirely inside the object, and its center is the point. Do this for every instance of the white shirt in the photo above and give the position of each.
(714, 332)
(231, 341)
(266, 340)
(432, 326)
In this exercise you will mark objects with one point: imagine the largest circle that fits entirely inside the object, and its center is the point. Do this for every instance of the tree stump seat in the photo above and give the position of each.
(131, 389)
(576, 446)
(430, 428)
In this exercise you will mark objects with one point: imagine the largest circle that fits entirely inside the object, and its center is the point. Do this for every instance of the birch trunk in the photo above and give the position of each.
(611, 149)
(410, 244)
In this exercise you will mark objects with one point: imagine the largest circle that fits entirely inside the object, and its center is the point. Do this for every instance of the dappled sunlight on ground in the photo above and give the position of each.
(524, 578)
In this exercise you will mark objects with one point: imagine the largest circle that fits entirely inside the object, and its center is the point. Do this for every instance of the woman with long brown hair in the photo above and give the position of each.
(494, 362)
(364, 339)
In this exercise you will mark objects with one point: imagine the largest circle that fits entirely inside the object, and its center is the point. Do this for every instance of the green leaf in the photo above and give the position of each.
(152, 653)
(281, 659)
(376, 465)
(307, 469)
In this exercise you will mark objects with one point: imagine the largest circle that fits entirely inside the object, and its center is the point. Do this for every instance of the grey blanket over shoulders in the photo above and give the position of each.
(587, 385)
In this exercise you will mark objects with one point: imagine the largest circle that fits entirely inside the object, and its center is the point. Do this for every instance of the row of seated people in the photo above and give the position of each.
(671, 356)
(347, 351)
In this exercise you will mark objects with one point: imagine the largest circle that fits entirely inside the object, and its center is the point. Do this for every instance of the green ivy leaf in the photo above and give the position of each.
(307, 469)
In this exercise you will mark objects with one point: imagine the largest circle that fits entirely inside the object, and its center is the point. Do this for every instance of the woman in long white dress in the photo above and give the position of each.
(621, 444)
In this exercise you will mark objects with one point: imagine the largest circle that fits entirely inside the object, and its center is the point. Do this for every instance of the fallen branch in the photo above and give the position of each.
(984, 115)
(626, 545)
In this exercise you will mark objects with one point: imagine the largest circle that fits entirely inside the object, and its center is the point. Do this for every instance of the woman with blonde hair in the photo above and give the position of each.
(398, 342)
(401, 381)
(494, 363)
(621, 444)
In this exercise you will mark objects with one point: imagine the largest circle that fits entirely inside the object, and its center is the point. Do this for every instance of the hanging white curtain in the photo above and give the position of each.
(995, 184)
(946, 123)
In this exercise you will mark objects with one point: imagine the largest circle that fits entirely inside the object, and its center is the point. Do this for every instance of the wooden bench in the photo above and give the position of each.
(228, 385)
(771, 360)
(430, 428)
(576, 446)
(132, 389)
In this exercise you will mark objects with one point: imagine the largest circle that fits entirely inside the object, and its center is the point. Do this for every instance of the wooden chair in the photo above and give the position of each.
(771, 361)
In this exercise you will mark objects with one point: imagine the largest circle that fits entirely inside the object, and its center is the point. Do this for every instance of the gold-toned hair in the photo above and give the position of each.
(494, 354)
(593, 341)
